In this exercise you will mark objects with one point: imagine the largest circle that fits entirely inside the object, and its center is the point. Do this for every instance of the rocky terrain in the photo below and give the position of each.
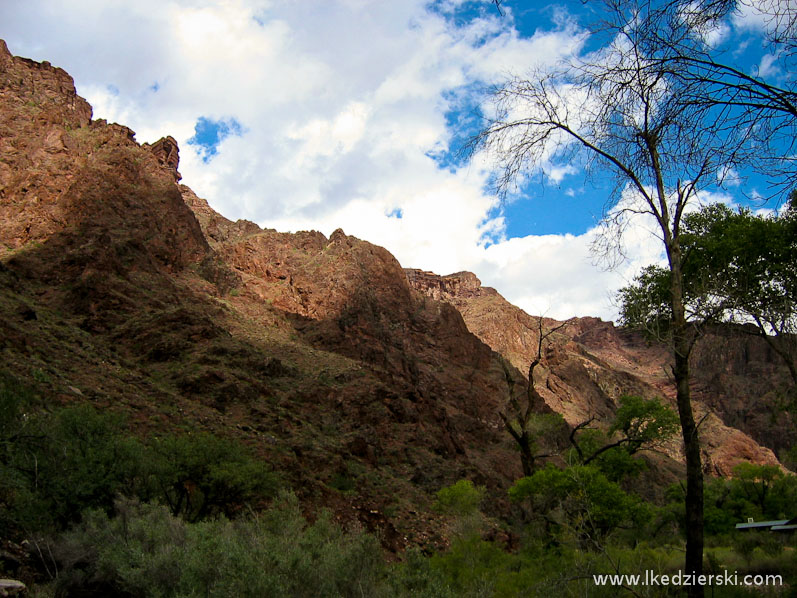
(368, 386)
(589, 364)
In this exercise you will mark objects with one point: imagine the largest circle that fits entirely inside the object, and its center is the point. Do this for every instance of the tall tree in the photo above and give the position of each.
(677, 35)
(620, 110)
(523, 416)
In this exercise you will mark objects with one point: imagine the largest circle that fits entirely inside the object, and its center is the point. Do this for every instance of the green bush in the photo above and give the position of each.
(462, 498)
(74, 459)
(53, 466)
(582, 499)
(144, 550)
(201, 475)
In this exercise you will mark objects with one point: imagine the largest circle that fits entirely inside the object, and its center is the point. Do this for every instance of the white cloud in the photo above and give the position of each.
(341, 103)
(768, 67)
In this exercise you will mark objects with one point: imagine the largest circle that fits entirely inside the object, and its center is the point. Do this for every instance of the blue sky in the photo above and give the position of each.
(322, 114)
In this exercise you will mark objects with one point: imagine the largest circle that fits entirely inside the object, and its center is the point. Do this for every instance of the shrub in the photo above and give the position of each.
(462, 498)
(201, 475)
(74, 459)
(144, 550)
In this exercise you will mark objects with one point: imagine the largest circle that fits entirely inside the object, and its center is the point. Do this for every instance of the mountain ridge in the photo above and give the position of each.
(119, 286)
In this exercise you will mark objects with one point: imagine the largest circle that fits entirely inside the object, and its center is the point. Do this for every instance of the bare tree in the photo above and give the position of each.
(622, 110)
(522, 417)
(676, 37)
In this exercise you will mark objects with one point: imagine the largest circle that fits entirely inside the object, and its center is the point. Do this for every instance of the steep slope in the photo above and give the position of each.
(589, 364)
(121, 287)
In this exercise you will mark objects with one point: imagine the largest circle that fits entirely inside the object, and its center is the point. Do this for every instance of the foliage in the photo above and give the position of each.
(200, 475)
(77, 458)
(143, 550)
(767, 487)
(645, 304)
(462, 498)
(619, 465)
(643, 422)
(638, 424)
(583, 499)
(15, 430)
(763, 492)
(631, 109)
(461, 501)
(56, 465)
(738, 265)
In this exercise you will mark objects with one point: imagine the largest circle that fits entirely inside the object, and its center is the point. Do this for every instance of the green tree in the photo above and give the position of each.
(756, 482)
(200, 475)
(618, 111)
(638, 425)
(522, 416)
(582, 499)
(654, 108)
(739, 267)
(462, 498)
(77, 458)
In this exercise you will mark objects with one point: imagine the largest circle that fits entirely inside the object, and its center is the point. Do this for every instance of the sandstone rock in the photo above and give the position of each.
(589, 364)
(168, 154)
(64, 175)
(216, 228)
(41, 84)
(460, 284)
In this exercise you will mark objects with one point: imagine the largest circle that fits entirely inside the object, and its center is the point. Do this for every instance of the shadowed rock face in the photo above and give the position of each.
(121, 287)
(167, 154)
(589, 364)
(63, 174)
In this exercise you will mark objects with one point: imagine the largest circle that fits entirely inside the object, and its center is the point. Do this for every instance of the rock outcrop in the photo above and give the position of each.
(589, 364)
(167, 153)
(121, 287)
(11, 587)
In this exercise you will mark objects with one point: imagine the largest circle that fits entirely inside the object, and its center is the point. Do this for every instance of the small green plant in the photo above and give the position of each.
(462, 498)
(39, 375)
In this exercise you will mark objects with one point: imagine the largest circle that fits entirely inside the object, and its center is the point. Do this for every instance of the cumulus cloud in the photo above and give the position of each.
(341, 110)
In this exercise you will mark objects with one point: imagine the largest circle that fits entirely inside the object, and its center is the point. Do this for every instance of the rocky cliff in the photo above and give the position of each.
(121, 287)
(589, 364)
(369, 388)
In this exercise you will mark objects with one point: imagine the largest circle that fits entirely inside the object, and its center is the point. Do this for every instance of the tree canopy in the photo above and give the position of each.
(739, 267)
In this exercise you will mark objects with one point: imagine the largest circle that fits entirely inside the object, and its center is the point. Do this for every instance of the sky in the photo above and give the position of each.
(326, 114)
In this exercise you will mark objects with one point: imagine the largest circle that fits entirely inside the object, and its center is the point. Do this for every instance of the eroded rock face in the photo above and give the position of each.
(321, 352)
(133, 293)
(589, 364)
(459, 284)
(32, 84)
(167, 153)
(64, 175)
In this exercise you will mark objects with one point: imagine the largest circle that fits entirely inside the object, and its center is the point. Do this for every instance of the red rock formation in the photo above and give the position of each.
(168, 154)
(589, 364)
(313, 349)
(62, 173)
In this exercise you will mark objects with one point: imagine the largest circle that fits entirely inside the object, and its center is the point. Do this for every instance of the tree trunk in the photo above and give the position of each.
(526, 458)
(682, 340)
